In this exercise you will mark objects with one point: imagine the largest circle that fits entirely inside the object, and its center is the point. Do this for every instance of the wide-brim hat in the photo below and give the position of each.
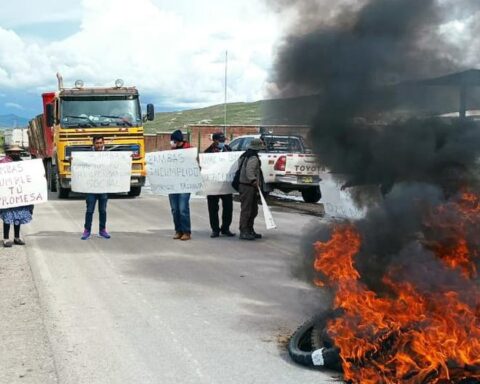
(256, 145)
(13, 148)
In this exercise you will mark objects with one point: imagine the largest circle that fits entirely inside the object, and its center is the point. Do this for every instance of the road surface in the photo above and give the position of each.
(143, 308)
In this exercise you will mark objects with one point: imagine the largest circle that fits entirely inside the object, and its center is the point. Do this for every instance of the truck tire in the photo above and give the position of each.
(51, 176)
(311, 194)
(62, 193)
(135, 191)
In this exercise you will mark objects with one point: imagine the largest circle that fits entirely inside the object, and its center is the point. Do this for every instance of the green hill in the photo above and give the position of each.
(267, 112)
(237, 113)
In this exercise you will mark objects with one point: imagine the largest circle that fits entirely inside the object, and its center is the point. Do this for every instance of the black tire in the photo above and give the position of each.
(135, 191)
(311, 194)
(301, 349)
(300, 345)
(51, 176)
(62, 193)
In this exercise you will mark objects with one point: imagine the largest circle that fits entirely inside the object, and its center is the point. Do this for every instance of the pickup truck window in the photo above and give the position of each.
(246, 143)
(284, 144)
(236, 145)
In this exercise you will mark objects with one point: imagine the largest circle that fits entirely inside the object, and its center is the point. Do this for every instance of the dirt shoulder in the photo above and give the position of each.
(25, 354)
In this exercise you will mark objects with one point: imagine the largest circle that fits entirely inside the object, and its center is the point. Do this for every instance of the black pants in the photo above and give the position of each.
(249, 207)
(227, 209)
(6, 231)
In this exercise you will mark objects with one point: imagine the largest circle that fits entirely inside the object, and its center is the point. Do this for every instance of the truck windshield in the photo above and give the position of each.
(283, 144)
(100, 111)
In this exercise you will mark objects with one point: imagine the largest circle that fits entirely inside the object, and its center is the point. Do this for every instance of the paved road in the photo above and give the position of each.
(143, 308)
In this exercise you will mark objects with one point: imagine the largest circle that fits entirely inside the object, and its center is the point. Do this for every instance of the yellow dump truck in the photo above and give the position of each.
(73, 116)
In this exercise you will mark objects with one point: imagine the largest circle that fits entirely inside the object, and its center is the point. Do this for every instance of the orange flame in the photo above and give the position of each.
(410, 336)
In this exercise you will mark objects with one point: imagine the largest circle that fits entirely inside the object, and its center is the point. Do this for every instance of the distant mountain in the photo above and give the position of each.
(12, 121)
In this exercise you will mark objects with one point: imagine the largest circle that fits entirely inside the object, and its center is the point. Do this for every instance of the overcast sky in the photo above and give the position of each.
(173, 51)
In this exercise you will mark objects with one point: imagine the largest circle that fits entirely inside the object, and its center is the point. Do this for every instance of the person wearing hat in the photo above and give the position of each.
(219, 145)
(180, 202)
(250, 178)
(17, 215)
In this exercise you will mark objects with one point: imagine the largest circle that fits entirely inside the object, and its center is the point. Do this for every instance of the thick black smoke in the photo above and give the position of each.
(353, 64)
(357, 57)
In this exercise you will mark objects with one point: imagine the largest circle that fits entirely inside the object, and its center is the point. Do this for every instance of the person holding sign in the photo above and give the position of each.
(180, 202)
(91, 201)
(219, 145)
(250, 177)
(17, 215)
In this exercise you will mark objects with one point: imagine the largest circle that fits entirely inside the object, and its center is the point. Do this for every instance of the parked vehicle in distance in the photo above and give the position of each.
(16, 136)
(287, 164)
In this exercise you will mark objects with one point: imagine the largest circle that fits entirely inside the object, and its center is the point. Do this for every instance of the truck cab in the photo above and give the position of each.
(73, 116)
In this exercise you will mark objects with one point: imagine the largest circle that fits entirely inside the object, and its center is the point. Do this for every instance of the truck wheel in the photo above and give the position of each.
(62, 193)
(51, 176)
(311, 194)
(135, 191)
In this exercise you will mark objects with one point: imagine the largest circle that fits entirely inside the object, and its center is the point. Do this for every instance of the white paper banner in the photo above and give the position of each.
(101, 171)
(174, 171)
(22, 183)
(267, 214)
(218, 170)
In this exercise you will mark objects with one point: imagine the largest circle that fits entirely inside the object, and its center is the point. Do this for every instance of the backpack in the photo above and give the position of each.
(236, 178)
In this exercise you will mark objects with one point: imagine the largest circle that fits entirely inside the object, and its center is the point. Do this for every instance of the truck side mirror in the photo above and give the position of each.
(50, 115)
(150, 112)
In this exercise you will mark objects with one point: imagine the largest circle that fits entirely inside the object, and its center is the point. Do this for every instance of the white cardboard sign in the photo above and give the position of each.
(174, 171)
(22, 183)
(267, 214)
(218, 171)
(101, 171)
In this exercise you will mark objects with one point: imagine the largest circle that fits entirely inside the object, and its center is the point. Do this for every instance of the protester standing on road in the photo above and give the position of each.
(91, 201)
(180, 202)
(219, 145)
(250, 178)
(17, 215)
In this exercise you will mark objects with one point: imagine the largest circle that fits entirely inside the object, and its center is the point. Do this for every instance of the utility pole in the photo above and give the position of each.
(225, 99)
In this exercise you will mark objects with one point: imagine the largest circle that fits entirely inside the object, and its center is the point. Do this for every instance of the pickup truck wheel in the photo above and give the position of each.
(135, 191)
(311, 194)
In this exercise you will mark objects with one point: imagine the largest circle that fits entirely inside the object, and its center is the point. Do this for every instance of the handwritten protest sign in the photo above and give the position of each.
(174, 171)
(22, 183)
(101, 171)
(267, 214)
(218, 170)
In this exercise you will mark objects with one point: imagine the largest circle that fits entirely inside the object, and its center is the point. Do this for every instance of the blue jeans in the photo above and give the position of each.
(91, 200)
(180, 204)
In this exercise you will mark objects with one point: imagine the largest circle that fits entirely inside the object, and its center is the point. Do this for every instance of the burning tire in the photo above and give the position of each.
(302, 350)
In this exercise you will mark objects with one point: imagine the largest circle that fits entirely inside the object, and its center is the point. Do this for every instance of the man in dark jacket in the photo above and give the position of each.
(180, 202)
(219, 145)
(250, 179)
(91, 201)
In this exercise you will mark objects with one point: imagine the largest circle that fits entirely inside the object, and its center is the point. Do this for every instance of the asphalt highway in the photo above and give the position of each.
(144, 308)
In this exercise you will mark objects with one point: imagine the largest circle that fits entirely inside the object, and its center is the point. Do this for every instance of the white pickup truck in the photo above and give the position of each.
(286, 164)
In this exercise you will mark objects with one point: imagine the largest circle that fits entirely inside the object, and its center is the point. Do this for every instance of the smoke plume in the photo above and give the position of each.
(375, 124)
